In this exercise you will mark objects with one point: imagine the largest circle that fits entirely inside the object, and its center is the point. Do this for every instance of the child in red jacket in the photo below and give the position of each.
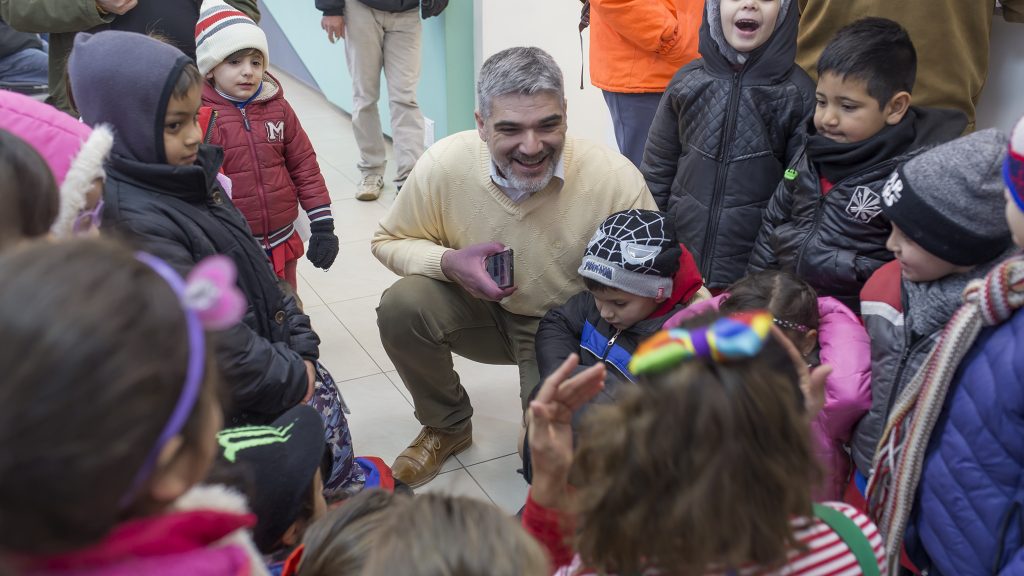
(267, 154)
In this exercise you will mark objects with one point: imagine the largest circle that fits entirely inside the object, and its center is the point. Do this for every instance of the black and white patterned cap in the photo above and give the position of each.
(635, 251)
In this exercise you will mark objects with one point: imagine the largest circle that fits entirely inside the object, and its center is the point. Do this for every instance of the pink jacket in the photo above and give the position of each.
(844, 345)
(73, 151)
(205, 534)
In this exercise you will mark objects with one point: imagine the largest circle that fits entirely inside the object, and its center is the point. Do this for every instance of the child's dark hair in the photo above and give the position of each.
(595, 286)
(243, 53)
(189, 79)
(94, 360)
(29, 199)
(790, 300)
(702, 467)
(876, 51)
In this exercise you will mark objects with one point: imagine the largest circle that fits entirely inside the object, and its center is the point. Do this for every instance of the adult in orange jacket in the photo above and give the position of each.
(635, 48)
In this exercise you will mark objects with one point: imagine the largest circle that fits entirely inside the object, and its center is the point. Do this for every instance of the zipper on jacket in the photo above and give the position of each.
(260, 193)
(716, 195)
(821, 209)
(611, 342)
(908, 348)
(798, 269)
(245, 120)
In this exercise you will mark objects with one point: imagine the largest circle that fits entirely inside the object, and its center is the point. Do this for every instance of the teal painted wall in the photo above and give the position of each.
(446, 78)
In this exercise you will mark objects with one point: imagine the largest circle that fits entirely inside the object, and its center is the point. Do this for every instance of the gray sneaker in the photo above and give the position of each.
(370, 187)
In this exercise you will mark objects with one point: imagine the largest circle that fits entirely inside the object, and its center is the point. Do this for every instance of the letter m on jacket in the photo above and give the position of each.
(275, 131)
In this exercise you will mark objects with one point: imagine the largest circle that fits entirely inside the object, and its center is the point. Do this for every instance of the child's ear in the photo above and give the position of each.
(293, 534)
(810, 340)
(209, 75)
(897, 108)
(174, 475)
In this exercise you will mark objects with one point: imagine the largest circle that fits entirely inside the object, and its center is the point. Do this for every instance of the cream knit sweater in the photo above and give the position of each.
(449, 201)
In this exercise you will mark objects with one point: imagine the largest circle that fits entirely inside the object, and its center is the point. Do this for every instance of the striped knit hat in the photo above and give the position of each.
(222, 31)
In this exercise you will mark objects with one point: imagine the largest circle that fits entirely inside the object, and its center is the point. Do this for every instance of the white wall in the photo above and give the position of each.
(552, 26)
(1002, 100)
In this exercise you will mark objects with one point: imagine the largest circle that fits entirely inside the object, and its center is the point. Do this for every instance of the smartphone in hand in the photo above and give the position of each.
(501, 269)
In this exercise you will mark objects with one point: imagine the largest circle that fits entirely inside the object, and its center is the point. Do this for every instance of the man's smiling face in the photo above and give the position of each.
(525, 134)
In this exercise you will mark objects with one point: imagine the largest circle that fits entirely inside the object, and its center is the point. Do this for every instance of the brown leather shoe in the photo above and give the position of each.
(422, 460)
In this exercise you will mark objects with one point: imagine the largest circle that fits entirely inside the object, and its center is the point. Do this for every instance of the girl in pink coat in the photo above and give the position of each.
(826, 332)
(74, 152)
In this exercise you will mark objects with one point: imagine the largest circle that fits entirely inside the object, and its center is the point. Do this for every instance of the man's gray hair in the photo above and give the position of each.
(520, 70)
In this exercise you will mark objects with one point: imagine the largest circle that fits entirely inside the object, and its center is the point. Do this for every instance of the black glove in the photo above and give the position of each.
(323, 244)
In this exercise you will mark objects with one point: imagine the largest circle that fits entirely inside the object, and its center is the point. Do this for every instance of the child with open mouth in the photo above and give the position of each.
(726, 130)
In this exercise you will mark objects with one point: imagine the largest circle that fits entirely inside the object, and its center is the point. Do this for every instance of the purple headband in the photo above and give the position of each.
(211, 300)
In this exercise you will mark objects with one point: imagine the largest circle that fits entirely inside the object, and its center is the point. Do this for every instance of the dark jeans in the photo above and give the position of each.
(24, 67)
(632, 115)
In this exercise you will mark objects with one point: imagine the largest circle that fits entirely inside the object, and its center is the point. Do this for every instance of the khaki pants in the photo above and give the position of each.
(375, 39)
(422, 321)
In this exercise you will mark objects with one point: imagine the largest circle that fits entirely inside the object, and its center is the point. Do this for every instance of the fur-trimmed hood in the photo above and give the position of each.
(74, 152)
(205, 533)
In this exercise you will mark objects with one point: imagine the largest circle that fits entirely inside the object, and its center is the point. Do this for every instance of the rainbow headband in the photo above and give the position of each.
(733, 337)
(211, 301)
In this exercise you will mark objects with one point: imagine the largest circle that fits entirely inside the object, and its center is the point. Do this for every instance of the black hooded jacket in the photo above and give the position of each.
(836, 241)
(719, 143)
(181, 215)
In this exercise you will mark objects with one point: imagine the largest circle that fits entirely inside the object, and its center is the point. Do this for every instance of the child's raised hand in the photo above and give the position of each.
(550, 426)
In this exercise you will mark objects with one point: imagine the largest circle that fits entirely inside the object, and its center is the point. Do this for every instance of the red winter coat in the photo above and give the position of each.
(270, 160)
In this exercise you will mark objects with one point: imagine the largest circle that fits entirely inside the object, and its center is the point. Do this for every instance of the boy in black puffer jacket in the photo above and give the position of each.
(162, 195)
(825, 221)
(637, 276)
(726, 129)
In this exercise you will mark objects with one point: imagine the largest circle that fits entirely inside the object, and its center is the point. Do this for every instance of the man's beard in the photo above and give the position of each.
(534, 183)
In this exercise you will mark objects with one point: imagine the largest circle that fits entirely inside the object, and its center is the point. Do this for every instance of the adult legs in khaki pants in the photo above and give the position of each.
(376, 40)
(422, 321)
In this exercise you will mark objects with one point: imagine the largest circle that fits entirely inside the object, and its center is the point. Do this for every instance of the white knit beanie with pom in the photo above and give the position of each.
(222, 31)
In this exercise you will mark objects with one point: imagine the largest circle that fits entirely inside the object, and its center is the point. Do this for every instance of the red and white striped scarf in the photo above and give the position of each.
(899, 457)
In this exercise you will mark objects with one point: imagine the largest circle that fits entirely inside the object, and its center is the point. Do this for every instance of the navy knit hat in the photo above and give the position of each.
(280, 460)
(949, 199)
(635, 251)
(129, 94)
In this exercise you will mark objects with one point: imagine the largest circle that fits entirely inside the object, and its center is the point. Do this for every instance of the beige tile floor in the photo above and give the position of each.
(341, 303)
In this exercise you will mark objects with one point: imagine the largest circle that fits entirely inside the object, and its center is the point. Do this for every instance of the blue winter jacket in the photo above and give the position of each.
(969, 508)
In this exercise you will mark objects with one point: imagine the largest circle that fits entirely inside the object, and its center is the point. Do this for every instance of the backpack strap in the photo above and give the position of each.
(852, 536)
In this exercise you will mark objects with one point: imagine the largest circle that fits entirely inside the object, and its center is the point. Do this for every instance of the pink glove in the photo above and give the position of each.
(466, 268)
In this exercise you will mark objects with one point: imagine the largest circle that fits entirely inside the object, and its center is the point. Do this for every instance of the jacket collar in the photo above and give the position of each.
(270, 90)
(189, 183)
